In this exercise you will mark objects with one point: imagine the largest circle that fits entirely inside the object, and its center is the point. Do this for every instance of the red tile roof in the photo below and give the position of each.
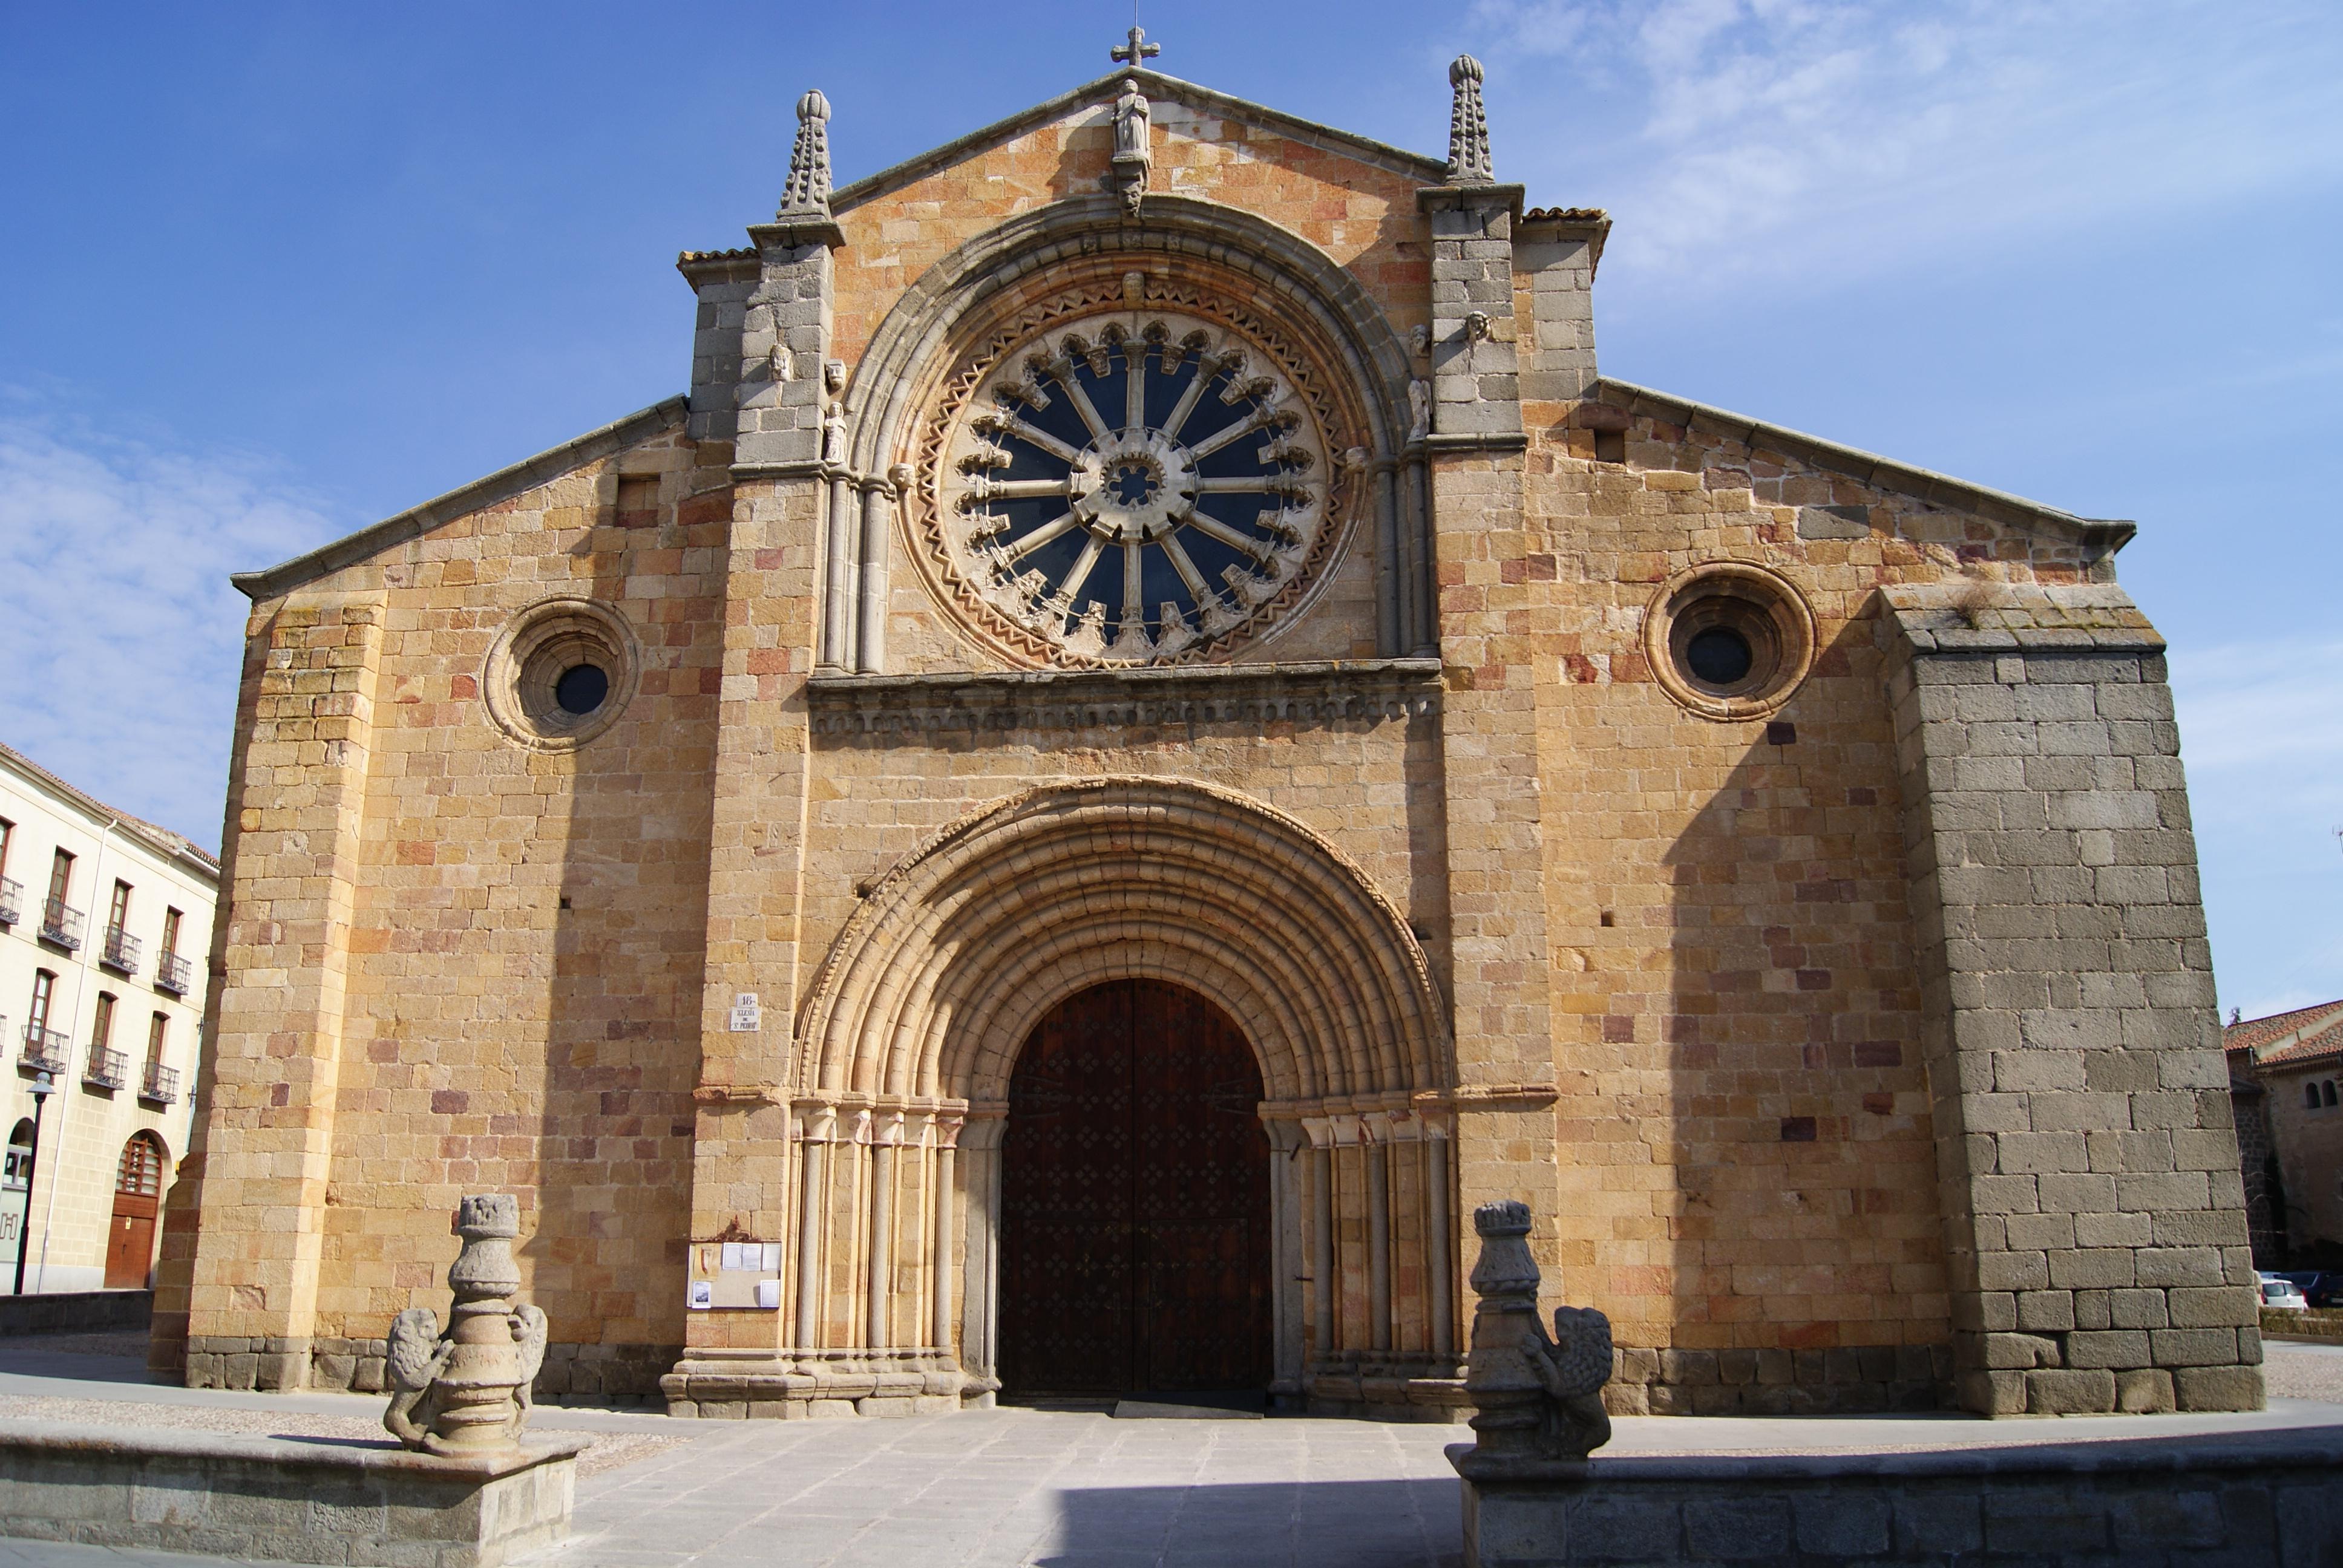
(2298, 1039)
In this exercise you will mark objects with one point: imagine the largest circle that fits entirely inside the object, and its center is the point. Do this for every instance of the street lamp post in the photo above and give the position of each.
(42, 1084)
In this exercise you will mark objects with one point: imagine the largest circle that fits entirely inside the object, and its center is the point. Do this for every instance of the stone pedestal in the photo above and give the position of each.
(279, 1500)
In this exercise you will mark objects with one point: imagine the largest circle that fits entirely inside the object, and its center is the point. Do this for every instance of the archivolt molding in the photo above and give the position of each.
(960, 950)
(999, 272)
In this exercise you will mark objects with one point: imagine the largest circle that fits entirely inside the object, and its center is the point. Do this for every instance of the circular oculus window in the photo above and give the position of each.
(561, 672)
(1729, 639)
(1138, 488)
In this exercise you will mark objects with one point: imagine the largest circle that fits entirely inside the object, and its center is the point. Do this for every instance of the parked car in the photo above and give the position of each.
(2319, 1287)
(2283, 1293)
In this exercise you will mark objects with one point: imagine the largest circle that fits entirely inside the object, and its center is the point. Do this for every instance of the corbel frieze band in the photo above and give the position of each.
(1370, 692)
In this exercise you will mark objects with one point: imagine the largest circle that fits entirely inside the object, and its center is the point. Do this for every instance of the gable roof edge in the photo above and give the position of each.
(1398, 160)
(502, 485)
(2106, 535)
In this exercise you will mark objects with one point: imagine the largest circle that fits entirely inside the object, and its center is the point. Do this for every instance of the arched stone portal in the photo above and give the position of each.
(912, 1026)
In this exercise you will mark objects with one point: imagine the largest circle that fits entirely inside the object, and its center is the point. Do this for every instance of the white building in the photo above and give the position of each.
(105, 925)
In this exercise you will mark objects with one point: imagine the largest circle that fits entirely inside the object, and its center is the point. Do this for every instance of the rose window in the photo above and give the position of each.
(1133, 488)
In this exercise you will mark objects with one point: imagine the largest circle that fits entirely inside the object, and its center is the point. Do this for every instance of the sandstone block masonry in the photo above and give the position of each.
(2095, 1222)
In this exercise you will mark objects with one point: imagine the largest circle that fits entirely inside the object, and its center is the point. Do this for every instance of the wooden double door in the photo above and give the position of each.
(1135, 1202)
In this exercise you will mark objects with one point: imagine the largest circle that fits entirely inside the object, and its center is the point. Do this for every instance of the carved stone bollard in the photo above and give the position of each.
(468, 1393)
(1536, 1398)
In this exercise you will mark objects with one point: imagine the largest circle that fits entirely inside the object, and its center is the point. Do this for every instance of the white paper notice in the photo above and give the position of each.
(747, 1017)
(772, 1257)
(703, 1295)
(769, 1293)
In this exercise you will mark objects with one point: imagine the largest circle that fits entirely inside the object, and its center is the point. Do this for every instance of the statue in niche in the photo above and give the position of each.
(1132, 152)
(1418, 410)
(834, 433)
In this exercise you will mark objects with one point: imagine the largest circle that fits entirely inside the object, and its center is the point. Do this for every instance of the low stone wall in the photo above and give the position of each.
(629, 1372)
(2324, 1324)
(2264, 1498)
(1846, 1380)
(76, 1311)
(279, 1500)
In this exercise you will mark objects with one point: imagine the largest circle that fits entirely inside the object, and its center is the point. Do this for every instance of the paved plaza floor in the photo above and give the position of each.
(1047, 1489)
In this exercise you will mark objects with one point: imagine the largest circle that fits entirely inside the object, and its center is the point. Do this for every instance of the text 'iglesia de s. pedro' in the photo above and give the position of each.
(1151, 733)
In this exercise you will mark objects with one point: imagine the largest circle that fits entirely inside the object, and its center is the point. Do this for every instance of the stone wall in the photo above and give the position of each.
(2185, 1502)
(2094, 1219)
(283, 1499)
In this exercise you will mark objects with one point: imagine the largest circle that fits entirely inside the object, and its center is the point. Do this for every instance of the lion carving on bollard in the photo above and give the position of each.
(466, 1392)
(1538, 1399)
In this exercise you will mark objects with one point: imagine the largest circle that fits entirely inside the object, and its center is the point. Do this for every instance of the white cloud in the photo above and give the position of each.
(119, 659)
(1818, 138)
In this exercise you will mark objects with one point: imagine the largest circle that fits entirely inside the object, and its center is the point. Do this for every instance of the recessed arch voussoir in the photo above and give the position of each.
(931, 986)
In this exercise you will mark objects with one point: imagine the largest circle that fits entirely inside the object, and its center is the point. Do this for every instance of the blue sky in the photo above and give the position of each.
(271, 272)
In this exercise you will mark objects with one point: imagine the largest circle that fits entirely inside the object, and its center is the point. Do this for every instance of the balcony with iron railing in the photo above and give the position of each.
(121, 952)
(106, 1068)
(60, 923)
(159, 1083)
(12, 901)
(46, 1049)
(173, 974)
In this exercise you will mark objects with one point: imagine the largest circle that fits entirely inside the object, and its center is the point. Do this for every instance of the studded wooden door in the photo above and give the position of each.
(1134, 1201)
(137, 1197)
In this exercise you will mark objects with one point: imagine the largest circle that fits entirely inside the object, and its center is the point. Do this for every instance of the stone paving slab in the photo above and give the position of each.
(1040, 1489)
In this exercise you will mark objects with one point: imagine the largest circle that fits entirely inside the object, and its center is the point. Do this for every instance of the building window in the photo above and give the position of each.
(17, 1174)
(141, 1172)
(44, 991)
(118, 913)
(171, 918)
(61, 877)
(8, 836)
(101, 1031)
(2327, 1093)
(156, 1032)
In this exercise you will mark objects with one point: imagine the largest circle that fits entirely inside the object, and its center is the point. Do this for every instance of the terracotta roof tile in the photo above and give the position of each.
(2297, 1039)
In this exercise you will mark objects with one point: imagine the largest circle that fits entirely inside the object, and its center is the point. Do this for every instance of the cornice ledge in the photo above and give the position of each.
(1433, 198)
(1477, 441)
(797, 231)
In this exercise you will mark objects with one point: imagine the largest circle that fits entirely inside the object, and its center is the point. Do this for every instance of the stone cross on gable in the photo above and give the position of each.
(1138, 52)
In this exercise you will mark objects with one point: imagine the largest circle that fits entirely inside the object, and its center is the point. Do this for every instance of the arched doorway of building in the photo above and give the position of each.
(137, 1196)
(1135, 1201)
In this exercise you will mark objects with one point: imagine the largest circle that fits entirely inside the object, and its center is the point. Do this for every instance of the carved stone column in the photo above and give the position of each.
(948, 1130)
(1505, 1392)
(1323, 1282)
(885, 1139)
(820, 1124)
(980, 1144)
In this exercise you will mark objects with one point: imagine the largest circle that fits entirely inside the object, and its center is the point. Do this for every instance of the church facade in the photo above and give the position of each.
(1151, 733)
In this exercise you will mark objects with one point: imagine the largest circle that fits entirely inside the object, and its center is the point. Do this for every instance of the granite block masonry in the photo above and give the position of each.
(2095, 1219)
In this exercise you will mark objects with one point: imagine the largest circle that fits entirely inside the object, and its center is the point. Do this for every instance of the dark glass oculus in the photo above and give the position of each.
(581, 689)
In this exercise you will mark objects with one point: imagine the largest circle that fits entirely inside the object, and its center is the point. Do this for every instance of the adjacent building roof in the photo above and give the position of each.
(2309, 1036)
(162, 840)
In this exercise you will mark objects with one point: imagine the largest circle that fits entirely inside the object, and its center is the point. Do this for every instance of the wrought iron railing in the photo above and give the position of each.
(159, 1083)
(60, 923)
(121, 950)
(46, 1049)
(106, 1068)
(173, 974)
(12, 901)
